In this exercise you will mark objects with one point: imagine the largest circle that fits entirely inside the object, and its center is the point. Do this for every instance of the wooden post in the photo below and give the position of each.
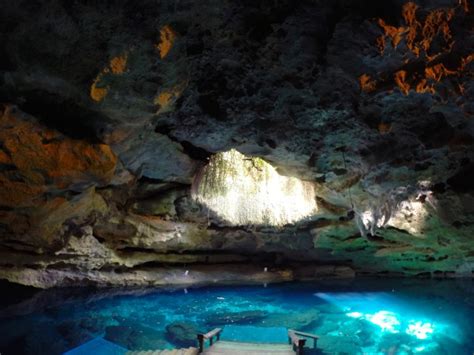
(202, 338)
(298, 343)
(201, 342)
(300, 348)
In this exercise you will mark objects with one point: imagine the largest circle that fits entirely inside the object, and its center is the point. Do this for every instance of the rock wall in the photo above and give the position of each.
(110, 111)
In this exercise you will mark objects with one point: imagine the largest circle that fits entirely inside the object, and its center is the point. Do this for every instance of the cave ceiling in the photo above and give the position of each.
(111, 112)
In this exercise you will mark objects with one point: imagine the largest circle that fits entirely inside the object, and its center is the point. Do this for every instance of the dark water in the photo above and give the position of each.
(371, 316)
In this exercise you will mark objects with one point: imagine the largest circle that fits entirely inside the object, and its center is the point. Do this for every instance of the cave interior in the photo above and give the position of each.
(163, 143)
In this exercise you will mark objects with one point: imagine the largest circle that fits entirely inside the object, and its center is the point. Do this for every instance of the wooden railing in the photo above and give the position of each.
(296, 337)
(296, 341)
(208, 336)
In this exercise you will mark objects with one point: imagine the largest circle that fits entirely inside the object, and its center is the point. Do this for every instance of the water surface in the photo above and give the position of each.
(371, 316)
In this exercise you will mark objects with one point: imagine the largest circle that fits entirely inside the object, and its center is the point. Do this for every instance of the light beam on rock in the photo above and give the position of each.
(248, 191)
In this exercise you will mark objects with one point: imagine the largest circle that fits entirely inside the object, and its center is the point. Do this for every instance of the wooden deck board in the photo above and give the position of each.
(189, 351)
(237, 348)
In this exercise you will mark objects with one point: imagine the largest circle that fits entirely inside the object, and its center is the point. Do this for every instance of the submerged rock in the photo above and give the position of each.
(182, 334)
(135, 337)
(45, 342)
(330, 344)
(294, 320)
(395, 343)
(245, 317)
(77, 332)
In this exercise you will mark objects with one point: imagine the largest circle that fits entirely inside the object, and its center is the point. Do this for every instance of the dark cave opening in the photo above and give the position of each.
(65, 115)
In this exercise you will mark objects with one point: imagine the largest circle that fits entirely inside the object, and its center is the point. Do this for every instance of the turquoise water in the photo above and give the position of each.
(371, 316)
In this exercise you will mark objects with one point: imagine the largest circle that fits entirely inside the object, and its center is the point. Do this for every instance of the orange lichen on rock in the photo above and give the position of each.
(409, 14)
(438, 71)
(466, 61)
(418, 35)
(366, 83)
(434, 73)
(436, 22)
(116, 66)
(464, 5)
(394, 33)
(44, 158)
(400, 80)
(78, 161)
(427, 37)
(423, 87)
(98, 93)
(4, 158)
(381, 44)
(384, 127)
(167, 38)
(163, 99)
(167, 98)
(18, 194)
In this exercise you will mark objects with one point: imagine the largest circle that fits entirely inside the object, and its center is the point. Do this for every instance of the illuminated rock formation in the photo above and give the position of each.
(247, 191)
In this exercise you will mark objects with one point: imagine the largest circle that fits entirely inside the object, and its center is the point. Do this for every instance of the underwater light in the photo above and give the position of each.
(385, 320)
(389, 321)
(419, 329)
(249, 191)
(355, 314)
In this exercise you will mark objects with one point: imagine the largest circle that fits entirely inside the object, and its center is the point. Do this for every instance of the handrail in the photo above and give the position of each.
(210, 335)
(306, 335)
(297, 342)
(214, 332)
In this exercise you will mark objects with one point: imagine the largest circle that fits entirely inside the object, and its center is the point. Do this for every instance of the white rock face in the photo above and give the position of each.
(249, 191)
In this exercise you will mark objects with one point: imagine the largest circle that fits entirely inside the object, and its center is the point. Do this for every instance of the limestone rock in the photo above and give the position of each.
(338, 344)
(135, 337)
(302, 321)
(182, 334)
(245, 317)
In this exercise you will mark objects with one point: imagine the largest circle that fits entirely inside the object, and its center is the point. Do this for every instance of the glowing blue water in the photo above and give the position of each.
(360, 316)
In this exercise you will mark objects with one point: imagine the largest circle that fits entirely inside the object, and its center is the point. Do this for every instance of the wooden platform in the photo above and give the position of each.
(189, 351)
(268, 341)
(237, 348)
(100, 346)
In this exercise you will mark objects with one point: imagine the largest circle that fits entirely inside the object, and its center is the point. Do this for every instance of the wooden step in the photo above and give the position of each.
(238, 348)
